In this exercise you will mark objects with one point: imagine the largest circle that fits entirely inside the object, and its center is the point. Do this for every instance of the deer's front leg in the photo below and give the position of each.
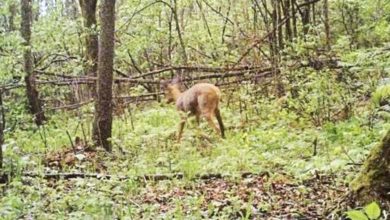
(181, 126)
(197, 118)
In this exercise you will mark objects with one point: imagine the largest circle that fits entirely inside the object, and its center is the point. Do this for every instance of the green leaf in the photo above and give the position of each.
(356, 215)
(373, 210)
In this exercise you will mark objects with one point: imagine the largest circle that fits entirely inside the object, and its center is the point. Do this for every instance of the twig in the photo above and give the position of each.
(71, 141)
(72, 106)
(196, 69)
(43, 136)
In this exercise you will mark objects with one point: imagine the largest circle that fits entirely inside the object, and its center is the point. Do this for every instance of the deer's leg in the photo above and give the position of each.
(197, 117)
(209, 119)
(181, 127)
(219, 118)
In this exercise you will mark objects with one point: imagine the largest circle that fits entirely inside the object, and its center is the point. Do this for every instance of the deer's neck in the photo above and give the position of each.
(176, 92)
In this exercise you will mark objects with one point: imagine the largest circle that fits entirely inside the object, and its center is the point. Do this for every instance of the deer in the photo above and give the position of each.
(201, 100)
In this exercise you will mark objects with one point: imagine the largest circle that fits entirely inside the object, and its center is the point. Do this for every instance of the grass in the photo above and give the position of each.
(271, 140)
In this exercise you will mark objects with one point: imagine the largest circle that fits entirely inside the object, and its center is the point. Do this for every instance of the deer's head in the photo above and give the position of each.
(171, 89)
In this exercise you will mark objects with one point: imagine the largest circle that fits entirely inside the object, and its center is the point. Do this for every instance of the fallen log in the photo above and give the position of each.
(153, 177)
(205, 69)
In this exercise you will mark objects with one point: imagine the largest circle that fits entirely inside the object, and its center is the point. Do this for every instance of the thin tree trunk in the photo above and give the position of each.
(170, 39)
(102, 128)
(2, 126)
(12, 14)
(286, 11)
(294, 18)
(306, 17)
(274, 34)
(31, 91)
(278, 45)
(225, 22)
(181, 41)
(255, 16)
(326, 24)
(280, 27)
(213, 54)
(269, 23)
(313, 7)
(88, 11)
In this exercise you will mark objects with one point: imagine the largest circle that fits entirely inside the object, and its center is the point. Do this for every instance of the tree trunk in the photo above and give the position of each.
(313, 13)
(274, 33)
(103, 106)
(372, 183)
(179, 34)
(286, 12)
(326, 24)
(12, 15)
(31, 91)
(306, 17)
(294, 18)
(280, 27)
(88, 11)
(170, 39)
(2, 126)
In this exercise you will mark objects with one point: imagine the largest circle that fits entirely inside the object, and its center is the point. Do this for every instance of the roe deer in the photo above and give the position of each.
(202, 99)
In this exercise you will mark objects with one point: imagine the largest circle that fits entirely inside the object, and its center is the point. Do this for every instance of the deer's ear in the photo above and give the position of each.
(176, 80)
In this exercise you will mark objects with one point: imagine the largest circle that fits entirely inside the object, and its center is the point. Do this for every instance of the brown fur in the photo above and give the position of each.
(200, 100)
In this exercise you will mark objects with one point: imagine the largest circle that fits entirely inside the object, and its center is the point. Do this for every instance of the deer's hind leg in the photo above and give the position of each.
(207, 108)
(209, 118)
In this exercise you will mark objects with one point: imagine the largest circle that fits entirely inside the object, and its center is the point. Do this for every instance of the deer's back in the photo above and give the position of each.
(198, 98)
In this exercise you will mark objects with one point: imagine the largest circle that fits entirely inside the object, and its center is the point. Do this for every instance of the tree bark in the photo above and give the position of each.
(313, 13)
(179, 34)
(103, 106)
(326, 24)
(280, 27)
(372, 183)
(286, 12)
(2, 126)
(88, 11)
(35, 106)
(12, 14)
(274, 33)
(306, 17)
(294, 18)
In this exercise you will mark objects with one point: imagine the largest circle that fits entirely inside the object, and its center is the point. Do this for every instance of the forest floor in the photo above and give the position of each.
(273, 164)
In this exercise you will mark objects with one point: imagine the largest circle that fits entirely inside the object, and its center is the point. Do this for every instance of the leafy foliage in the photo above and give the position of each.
(370, 211)
(310, 141)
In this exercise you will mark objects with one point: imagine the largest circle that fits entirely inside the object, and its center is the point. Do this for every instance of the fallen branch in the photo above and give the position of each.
(91, 80)
(138, 96)
(155, 177)
(11, 86)
(72, 106)
(196, 69)
(45, 73)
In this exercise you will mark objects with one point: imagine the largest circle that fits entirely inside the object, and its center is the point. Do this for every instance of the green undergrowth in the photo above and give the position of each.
(144, 143)
(264, 138)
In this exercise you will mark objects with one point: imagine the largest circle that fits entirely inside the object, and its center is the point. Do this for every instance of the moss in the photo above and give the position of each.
(372, 182)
